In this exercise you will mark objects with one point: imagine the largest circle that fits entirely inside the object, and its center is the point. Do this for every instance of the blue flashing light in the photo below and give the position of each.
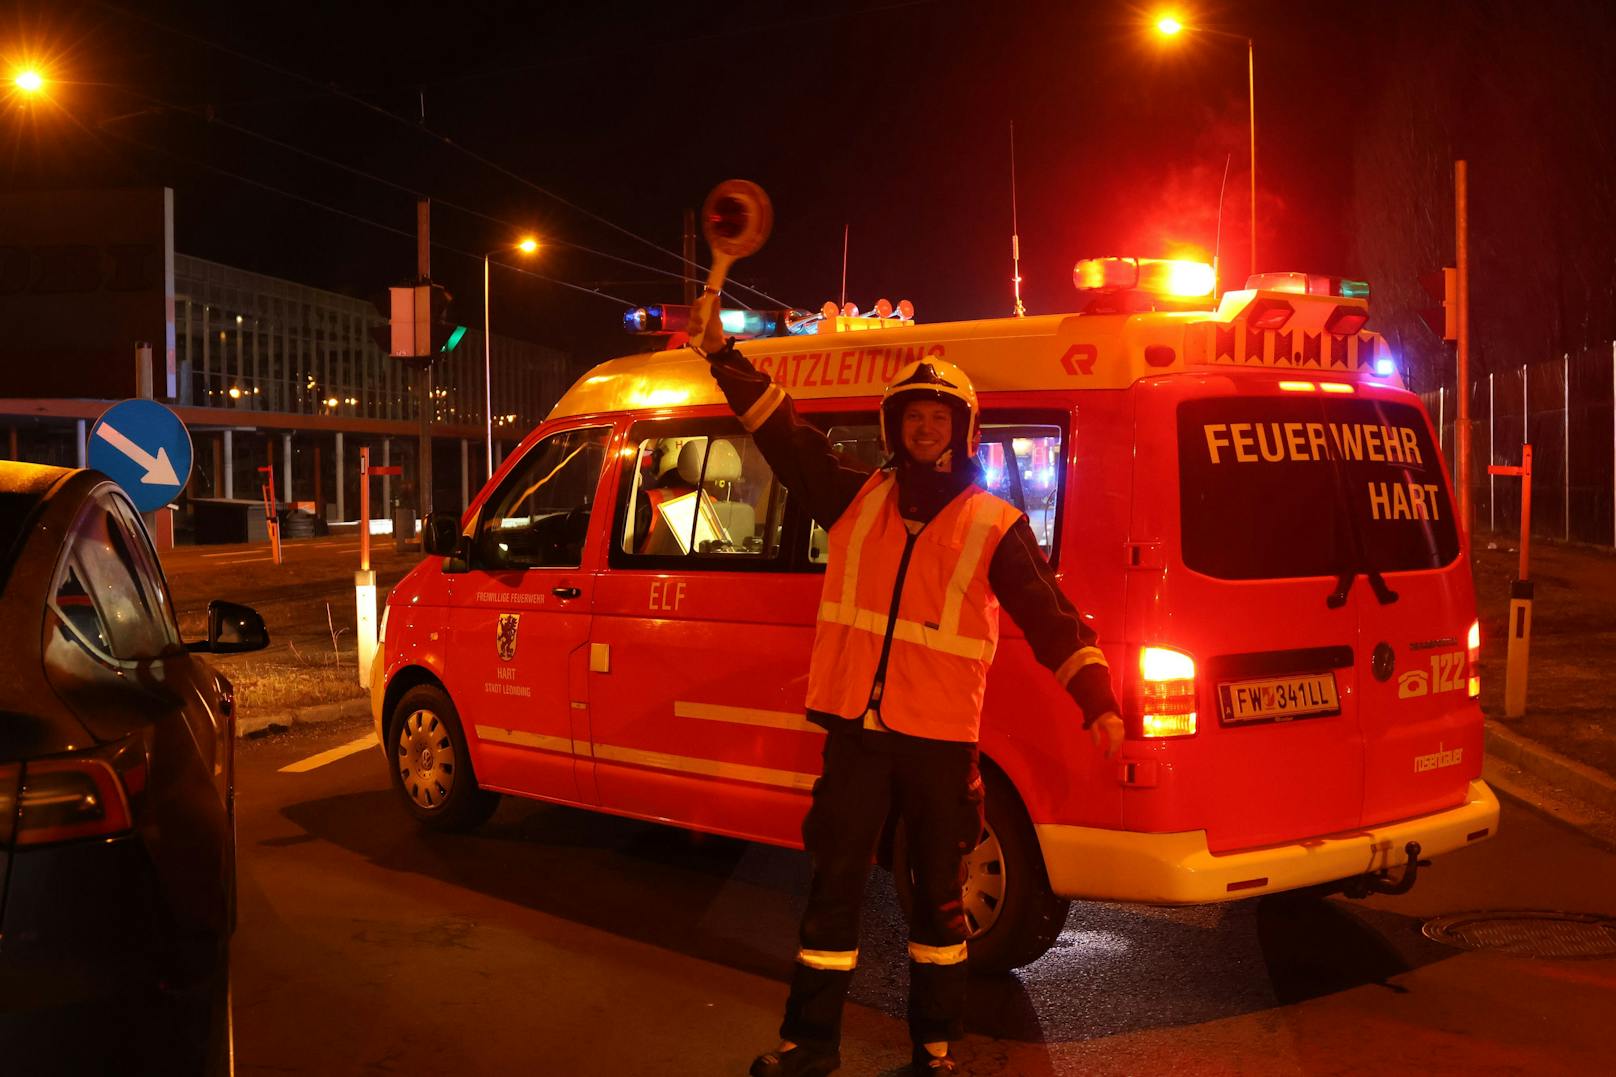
(634, 320)
(1385, 367)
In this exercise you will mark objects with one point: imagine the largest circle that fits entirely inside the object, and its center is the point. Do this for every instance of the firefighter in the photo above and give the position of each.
(921, 558)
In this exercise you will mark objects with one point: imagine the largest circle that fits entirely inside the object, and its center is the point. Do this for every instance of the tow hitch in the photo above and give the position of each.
(1378, 882)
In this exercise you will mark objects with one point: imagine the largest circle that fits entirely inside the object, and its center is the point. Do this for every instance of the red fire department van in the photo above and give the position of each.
(1244, 497)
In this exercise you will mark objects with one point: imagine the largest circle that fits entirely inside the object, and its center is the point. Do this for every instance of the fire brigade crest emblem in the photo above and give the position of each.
(506, 639)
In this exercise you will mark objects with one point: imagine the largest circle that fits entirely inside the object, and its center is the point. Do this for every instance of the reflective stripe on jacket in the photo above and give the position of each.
(938, 647)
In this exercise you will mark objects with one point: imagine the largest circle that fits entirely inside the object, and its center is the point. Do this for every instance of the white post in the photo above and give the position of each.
(81, 450)
(1441, 411)
(229, 466)
(488, 374)
(342, 501)
(286, 468)
(465, 473)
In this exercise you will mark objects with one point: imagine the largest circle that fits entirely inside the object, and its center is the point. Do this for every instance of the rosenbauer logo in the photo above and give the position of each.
(1437, 759)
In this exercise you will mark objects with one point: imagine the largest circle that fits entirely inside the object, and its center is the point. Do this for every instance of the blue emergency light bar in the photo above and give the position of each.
(675, 318)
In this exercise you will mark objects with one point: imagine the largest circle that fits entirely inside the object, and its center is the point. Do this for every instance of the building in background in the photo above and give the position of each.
(96, 306)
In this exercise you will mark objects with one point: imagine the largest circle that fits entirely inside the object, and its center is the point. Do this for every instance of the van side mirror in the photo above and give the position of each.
(233, 628)
(440, 534)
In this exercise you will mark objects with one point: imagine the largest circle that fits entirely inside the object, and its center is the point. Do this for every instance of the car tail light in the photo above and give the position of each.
(71, 797)
(1473, 659)
(1166, 692)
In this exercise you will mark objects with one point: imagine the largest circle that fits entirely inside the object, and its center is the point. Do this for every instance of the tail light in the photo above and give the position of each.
(1166, 692)
(10, 777)
(1473, 659)
(69, 797)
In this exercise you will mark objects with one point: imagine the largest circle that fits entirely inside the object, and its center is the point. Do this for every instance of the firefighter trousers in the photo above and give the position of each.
(936, 790)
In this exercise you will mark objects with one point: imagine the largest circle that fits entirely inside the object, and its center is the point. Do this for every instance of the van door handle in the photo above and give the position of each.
(565, 592)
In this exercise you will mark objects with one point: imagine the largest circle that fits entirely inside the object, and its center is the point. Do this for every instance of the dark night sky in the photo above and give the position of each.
(892, 118)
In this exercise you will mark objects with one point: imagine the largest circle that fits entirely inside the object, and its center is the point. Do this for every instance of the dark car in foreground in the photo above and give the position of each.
(117, 831)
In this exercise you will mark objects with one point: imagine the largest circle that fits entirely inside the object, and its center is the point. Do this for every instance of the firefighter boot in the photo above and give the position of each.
(803, 1060)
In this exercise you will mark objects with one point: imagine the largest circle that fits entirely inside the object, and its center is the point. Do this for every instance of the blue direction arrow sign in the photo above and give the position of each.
(143, 447)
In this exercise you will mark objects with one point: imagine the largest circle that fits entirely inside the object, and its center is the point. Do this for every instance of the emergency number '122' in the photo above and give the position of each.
(1447, 675)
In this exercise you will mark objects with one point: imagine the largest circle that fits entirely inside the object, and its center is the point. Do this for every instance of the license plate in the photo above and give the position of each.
(1279, 697)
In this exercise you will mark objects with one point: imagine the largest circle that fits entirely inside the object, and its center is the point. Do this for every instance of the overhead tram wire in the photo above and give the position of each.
(404, 188)
(338, 91)
(350, 215)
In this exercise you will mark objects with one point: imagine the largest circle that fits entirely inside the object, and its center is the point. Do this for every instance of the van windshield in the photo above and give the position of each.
(1267, 483)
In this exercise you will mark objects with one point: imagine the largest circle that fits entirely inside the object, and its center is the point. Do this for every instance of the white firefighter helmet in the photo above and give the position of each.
(931, 379)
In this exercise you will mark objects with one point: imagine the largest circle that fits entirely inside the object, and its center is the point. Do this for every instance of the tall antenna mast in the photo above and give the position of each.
(1217, 243)
(845, 228)
(1020, 310)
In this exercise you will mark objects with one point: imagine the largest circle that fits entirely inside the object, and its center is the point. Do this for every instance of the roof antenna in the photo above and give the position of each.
(1217, 244)
(843, 302)
(1015, 236)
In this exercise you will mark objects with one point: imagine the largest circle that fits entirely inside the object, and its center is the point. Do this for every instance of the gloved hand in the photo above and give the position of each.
(1107, 733)
(710, 327)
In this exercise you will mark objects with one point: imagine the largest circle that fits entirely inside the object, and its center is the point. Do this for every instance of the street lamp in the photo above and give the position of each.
(29, 81)
(1169, 25)
(528, 245)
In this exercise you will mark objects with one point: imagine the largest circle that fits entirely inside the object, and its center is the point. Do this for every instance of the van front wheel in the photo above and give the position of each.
(430, 765)
(1013, 915)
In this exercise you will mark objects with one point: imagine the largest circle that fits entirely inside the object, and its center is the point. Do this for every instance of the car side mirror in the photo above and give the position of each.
(233, 628)
(440, 534)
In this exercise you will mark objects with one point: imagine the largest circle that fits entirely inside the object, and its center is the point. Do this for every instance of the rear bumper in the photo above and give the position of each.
(1178, 869)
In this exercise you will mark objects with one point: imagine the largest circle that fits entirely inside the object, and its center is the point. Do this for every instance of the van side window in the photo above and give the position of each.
(698, 495)
(539, 516)
(1021, 462)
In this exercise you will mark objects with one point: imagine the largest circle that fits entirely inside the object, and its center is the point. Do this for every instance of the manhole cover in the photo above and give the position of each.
(1527, 932)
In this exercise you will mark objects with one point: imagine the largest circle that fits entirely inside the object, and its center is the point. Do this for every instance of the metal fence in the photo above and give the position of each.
(1564, 408)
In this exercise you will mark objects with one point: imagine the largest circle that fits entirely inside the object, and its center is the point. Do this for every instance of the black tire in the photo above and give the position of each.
(430, 765)
(1014, 917)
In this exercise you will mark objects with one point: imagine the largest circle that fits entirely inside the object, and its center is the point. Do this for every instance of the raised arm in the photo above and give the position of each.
(799, 452)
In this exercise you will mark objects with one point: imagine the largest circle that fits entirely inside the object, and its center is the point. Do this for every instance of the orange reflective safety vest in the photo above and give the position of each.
(947, 619)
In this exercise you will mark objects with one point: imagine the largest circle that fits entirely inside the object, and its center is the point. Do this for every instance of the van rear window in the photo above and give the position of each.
(1310, 485)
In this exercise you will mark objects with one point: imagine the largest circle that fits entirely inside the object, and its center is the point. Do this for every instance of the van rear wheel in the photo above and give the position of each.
(1013, 915)
(430, 764)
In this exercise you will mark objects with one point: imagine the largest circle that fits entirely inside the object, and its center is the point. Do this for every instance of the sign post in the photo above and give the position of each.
(1520, 596)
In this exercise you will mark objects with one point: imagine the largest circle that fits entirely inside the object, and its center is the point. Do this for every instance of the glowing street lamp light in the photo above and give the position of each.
(1168, 25)
(527, 245)
(29, 81)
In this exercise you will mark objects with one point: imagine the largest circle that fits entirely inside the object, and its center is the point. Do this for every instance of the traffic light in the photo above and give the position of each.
(442, 334)
(1443, 286)
(420, 325)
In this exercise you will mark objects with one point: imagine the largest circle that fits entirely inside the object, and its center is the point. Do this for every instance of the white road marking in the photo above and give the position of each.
(342, 751)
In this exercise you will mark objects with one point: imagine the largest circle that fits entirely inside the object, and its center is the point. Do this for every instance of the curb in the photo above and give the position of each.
(1578, 779)
(323, 712)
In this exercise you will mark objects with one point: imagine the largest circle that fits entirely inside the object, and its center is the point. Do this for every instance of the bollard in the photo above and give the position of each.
(1520, 645)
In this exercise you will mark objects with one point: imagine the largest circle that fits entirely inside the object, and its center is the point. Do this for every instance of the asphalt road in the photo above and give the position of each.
(555, 941)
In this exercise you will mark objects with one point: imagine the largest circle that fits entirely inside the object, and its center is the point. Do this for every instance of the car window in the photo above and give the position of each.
(99, 574)
(1021, 463)
(539, 516)
(78, 609)
(1310, 485)
(698, 495)
(149, 571)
